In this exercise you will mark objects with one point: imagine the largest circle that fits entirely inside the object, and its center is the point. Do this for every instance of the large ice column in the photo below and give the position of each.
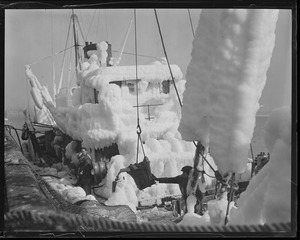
(231, 54)
(267, 198)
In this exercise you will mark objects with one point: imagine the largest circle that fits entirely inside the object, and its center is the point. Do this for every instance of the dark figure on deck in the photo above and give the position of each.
(84, 172)
(27, 134)
(182, 180)
(57, 145)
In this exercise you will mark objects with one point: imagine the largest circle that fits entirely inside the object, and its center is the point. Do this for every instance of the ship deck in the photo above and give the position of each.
(31, 205)
(32, 208)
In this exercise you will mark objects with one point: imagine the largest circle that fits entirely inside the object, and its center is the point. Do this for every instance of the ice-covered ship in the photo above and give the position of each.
(125, 114)
(121, 114)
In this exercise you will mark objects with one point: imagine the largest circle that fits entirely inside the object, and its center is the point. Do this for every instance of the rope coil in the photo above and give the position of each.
(26, 220)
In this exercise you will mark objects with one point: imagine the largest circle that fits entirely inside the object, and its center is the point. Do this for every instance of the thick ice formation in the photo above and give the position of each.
(113, 119)
(67, 191)
(215, 214)
(225, 78)
(42, 114)
(163, 163)
(150, 73)
(267, 198)
(191, 218)
(100, 125)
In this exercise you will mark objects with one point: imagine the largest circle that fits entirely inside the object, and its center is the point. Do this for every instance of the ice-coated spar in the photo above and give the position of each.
(231, 55)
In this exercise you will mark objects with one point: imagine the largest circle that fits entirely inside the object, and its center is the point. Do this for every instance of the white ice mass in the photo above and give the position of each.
(267, 198)
(231, 54)
(111, 117)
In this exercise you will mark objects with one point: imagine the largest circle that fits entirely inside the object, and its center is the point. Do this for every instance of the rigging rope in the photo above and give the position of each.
(64, 57)
(175, 84)
(90, 24)
(140, 55)
(161, 37)
(117, 61)
(73, 77)
(97, 26)
(215, 171)
(70, 66)
(42, 59)
(139, 130)
(53, 65)
(82, 21)
(106, 25)
(208, 174)
(136, 69)
(81, 32)
(191, 23)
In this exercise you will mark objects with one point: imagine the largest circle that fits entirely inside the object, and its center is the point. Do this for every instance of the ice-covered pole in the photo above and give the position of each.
(231, 54)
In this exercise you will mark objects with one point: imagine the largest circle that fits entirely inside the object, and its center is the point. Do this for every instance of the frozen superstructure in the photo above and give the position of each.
(104, 103)
(102, 113)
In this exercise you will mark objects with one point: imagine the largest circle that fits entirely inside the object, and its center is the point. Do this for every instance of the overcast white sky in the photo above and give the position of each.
(31, 35)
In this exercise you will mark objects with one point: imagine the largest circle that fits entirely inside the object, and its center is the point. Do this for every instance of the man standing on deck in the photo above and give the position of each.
(84, 173)
(57, 144)
(28, 133)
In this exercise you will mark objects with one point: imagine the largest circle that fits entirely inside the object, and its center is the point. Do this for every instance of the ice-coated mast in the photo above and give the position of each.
(75, 42)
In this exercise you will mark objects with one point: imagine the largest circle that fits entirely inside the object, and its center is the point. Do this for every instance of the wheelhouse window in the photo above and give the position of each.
(131, 87)
(166, 86)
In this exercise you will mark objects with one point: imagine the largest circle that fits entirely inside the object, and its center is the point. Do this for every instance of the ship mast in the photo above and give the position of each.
(75, 42)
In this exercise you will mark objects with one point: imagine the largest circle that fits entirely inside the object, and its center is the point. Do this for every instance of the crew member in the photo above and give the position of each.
(84, 173)
(27, 134)
(57, 145)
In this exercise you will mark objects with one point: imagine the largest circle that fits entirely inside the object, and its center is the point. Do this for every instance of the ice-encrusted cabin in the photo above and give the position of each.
(102, 112)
